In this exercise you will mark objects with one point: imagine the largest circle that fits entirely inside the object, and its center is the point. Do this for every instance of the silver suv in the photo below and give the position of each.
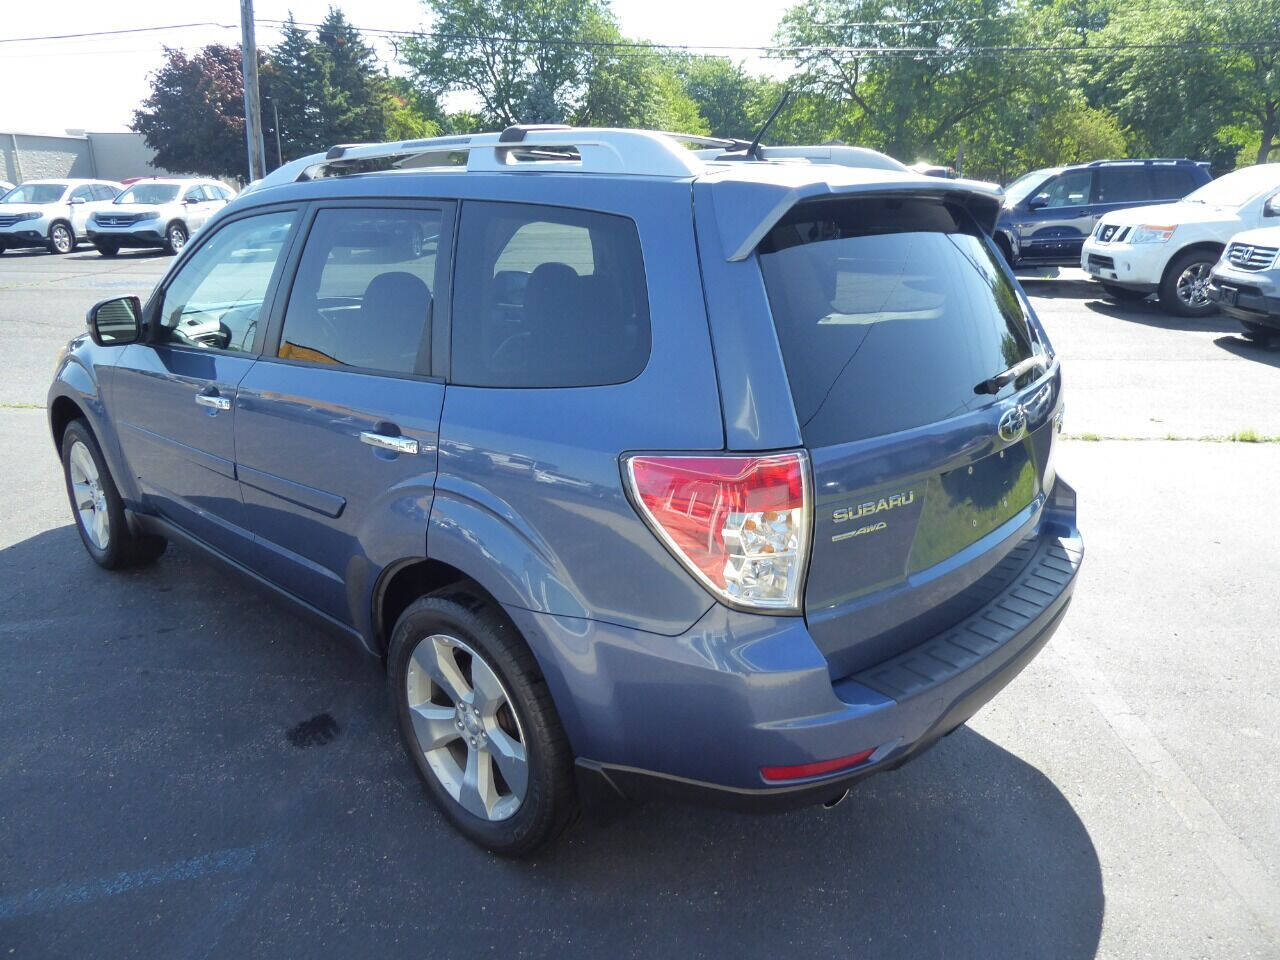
(156, 213)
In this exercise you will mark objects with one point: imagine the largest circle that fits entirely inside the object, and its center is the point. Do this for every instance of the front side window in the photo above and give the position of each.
(84, 193)
(215, 301)
(36, 193)
(890, 313)
(363, 293)
(548, 297)
(1068, 190)
(102, 191)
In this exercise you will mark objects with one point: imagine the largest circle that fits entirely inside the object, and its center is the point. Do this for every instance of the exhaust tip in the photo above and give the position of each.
(835, 801)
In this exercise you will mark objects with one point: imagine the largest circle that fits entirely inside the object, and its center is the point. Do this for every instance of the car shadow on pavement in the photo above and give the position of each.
(1267, 351)
(187, 768)
(1151, 314)
(1053, 288)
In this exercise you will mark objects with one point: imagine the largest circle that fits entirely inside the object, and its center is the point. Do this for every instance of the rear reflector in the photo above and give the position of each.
(806, 770)
(739, 524)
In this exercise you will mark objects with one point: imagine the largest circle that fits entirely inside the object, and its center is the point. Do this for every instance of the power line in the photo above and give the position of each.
(113, 33)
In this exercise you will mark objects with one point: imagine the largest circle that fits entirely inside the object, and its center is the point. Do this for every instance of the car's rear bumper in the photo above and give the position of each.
(697, 716)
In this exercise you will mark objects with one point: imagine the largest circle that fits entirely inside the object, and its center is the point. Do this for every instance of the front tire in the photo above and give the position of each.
(1184, 291)
(62, 239)
(175, 238)
(108, 249)
(97, 507)
(478, 722)
(1123, 294)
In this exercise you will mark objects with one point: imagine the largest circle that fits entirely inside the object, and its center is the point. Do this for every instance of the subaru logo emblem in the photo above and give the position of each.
(1013, 424)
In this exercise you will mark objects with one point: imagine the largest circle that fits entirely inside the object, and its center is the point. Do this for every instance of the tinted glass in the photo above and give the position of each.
(548, 297)
(1124, 184)
(1170, 183)
(889, 312)
(215, 301)
(1025, 186)
(103, 192)
(1069, 189)
(362, 296)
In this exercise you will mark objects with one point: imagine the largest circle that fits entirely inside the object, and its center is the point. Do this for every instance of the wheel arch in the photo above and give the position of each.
(400, 584)
(1208, 246)
(62, 410)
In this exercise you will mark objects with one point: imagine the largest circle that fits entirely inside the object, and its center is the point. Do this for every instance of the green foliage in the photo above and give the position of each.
(539, 78)
(194, 117)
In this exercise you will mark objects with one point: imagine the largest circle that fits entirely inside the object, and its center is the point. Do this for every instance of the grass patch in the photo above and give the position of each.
(1240, 436)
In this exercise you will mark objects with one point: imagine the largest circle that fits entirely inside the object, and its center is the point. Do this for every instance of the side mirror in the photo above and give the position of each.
(74, 200)
(190, 200)
(1272, 207)
(1038, 201)
(114, 323)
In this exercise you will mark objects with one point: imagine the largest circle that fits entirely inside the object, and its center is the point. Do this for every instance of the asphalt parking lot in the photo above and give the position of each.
(189, 770)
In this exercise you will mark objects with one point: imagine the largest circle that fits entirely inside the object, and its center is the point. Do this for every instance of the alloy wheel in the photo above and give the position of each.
(90, 499)
(177, 238)
(466, 727)
(1193, 284)
(62, 239)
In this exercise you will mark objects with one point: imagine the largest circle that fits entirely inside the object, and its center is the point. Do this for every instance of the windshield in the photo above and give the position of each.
(1237, 187)
(35, 193)
(149, 193)
(890, 313)
(1022, 188)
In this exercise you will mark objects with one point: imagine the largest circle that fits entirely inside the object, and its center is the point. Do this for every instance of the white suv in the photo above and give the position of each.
(1170, 249)
(157, 213)
(51, 213)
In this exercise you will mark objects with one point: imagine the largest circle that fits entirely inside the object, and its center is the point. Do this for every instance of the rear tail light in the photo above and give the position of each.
(740, 524)
(805, 770)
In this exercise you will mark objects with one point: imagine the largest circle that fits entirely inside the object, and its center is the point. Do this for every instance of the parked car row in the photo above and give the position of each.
(58, 215)
(1155, 226)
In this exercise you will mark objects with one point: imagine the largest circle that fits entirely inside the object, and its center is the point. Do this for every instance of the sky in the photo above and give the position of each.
(48, 86)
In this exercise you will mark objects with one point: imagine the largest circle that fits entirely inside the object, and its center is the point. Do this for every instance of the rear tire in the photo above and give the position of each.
(175, 238)
(1184, 289)
(96, 505)
(62, 239)
(512, 791)
(1123, 294)
(108, 249)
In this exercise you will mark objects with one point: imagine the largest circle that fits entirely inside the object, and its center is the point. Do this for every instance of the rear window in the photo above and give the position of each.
(890, 312)
(547, 297)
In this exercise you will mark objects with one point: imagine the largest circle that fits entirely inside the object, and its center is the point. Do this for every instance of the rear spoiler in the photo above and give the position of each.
(749, 201)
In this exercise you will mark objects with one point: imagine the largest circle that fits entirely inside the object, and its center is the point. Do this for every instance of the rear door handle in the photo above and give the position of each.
(213, 401)
(386, 442)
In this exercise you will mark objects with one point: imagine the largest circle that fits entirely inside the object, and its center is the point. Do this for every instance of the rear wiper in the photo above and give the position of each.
(993, 384)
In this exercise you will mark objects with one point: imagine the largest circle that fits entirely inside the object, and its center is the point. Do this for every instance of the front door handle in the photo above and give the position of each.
(387, 442)
(213, 401)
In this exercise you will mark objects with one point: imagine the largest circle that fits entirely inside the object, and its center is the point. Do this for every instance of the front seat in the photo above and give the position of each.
(393, 318)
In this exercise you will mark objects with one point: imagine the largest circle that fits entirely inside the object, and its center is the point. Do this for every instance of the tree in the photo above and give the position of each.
(194, 117)
(295, 73)
(727, 97)
(904, 102)
(524, 60)
(633, 86)
(354, 95)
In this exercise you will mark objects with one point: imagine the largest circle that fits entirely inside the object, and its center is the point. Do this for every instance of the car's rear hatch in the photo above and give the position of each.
(925, 395)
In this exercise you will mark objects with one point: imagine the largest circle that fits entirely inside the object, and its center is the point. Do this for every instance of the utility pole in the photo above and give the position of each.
(252, 107)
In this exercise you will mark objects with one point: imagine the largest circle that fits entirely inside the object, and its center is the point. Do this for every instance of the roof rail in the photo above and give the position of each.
(548, 148)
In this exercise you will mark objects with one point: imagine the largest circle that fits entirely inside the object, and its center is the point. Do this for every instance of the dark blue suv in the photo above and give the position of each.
(1048, 213)
(724, 474)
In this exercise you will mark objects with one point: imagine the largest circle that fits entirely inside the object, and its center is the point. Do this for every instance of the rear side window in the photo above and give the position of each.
(1123, 184)
(890, 312)
(1171, 183)
(362, 294)
(547, 297)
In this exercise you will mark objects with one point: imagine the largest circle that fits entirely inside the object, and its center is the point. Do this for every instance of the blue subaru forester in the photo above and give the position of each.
(721, 473)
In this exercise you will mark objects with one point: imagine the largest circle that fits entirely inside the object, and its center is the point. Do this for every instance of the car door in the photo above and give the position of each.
(81, 204)
(337, 425)
(1060, 219)
(173, 395)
